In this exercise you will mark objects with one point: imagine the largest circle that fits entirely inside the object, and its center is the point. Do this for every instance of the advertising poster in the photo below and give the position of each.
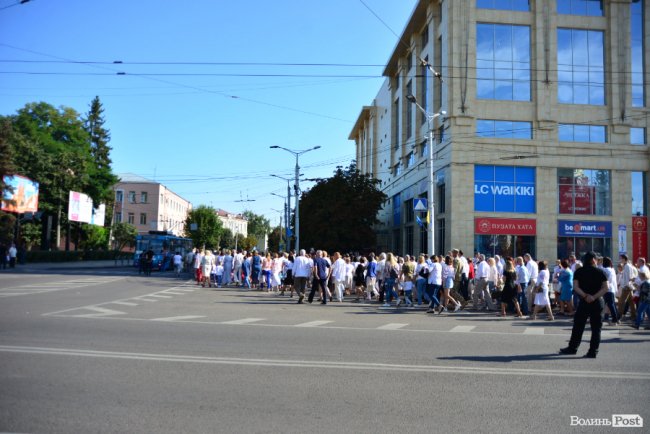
(24, 197)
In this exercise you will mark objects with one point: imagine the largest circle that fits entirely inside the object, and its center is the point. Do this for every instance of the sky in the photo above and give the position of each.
(205, 87)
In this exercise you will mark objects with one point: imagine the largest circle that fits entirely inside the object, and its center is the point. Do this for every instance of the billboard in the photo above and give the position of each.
(575, 228)
(80, 209)
(504, 189)
(498, 226)
(24, 197)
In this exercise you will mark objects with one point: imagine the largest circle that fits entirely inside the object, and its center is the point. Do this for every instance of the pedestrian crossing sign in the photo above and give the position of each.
(419, 204)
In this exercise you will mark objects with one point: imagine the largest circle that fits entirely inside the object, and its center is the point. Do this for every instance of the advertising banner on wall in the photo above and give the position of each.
(576, 199)
(497, 226)
(577, 228)
(504, 189)
(639, 237)
(80, 209)
(24, 197)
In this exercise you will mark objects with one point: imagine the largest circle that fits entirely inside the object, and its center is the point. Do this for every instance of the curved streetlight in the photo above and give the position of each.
(431, 194)
(296, 187)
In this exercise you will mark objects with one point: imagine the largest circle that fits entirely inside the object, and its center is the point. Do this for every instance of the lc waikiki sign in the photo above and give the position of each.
(575, 228)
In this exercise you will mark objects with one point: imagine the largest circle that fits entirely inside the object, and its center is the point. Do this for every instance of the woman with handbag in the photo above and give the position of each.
(541, 292)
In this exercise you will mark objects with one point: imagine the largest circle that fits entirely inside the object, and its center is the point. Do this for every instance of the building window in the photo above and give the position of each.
(119, 196)
(409, 213)
(425, 36)
(424, 149)
(424, 240)
(410, 160)
(503, 62)
(409, 111)
(424, 94)
(143, 197)
(397, 210)
(397, 238)
(131, 218)
(506, 5)
(409, 61)
(396, 118)
(582, 133)
(398, 169)
(582, 245)
(638, 52)
(581, 66)
(637, 136)
(118, 217)
(584, 191)
(505, 245)
(131, 196)
(504, 189)
(143, 218)
(591, 8)
(441, 205)
(440, 236)
(504, 129)
(408, 245)
(639, 194)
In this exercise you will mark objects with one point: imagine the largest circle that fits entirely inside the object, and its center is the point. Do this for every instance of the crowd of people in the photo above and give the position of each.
(521, 286)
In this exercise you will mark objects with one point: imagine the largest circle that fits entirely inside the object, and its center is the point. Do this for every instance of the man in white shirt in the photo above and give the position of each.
(339, 270)
(627, 287)
(302, 268)
(178, 264)
(237, 262)
(481, 285)
(533, 271)
(13, 252)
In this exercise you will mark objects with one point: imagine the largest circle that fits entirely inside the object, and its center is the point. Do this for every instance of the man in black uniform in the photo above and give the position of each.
(590, 284)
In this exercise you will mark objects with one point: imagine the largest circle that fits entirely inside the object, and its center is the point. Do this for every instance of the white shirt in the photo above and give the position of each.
(482, 270)
(463, 261)
(611, 280)
(178, 259)
(339, 269)
(542, 278)
(493, 274)
(302, 266)
(419, 267)
(533, 270)
(435, 274)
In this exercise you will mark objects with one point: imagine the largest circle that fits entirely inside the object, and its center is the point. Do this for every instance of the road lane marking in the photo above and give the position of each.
(462, 329)
(534, 331)
(144, 298)
(242, 321)
(178, 318)
(123, 303)
(99, 311)
(392, 326)
(320, 364)
(313, 324)
(159, 296)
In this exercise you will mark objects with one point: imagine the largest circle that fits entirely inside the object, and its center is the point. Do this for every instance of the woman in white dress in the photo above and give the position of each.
(541, 292)
(207, 264)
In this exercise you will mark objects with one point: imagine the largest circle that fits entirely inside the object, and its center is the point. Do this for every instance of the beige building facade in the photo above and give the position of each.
(543, 144)
(149, 205)
(237, 224)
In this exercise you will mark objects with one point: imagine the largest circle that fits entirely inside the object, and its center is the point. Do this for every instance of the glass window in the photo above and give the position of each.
(397, 210)
(424, 239)
(638, 52)
(143, 218)
(119, 196)
(409, 213)
(506, 5)
(409, 241)
(637, 136)
(118, 217)
(410, 160)
(131, 196)
(582, 133)
(409, 111)
(441, 198)
(143, 197)
(582, 245)
(424, 149)
(504, 129)
(397, 238)
(503, 62)
(584, 191)
(396, 118)
(581, 66)
(504, 245)
(639, 194)
(440, 235)
(131, 218)
(425, 36)
(592, 8)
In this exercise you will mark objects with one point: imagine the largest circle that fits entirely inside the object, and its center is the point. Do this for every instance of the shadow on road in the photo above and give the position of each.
(511, 358)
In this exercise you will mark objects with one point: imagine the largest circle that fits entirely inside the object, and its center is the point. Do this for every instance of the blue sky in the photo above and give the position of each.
(204, 130)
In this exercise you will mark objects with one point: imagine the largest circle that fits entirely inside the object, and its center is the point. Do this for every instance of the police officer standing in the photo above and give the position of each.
(590, 284)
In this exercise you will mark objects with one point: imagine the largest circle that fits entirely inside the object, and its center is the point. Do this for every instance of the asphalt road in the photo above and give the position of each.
(107, 350)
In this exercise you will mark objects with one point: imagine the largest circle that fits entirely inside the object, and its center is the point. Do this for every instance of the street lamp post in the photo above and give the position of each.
(296, 188)
(287, 216)
(431, 194)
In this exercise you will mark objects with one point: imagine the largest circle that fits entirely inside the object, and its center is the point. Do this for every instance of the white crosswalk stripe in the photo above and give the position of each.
(30, 289)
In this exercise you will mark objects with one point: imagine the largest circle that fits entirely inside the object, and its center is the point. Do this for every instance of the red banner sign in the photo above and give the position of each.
(577, 199)
(639, 237)
(496, 226)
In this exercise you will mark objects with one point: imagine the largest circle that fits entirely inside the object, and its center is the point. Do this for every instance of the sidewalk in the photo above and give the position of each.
(85, 265)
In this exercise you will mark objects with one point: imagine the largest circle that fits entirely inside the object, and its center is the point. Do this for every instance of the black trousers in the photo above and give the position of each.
(592, 311)
(318, 284)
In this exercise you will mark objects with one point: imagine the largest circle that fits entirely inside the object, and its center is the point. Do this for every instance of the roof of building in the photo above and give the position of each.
(417, 20)
(223, 213)
(366, 112)
(132, 177)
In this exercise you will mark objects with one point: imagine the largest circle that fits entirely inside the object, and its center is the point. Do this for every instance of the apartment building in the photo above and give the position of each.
(149, 205)
(237, 223)
(535, 131)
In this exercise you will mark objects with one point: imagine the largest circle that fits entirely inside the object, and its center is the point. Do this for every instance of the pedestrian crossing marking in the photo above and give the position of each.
(534, 331)
(313, 323)
(392, 326)
(32, 288)
(462, 329)
(243, 321)
(123, 303)
(178, 318)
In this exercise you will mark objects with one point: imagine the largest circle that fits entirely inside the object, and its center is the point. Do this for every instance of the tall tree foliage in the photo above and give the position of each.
(7, 221)
(338, 212)
(258, 225)
(100, 173)
(209, 228)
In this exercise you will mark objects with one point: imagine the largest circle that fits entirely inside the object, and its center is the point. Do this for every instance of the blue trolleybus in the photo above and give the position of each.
(164, 245)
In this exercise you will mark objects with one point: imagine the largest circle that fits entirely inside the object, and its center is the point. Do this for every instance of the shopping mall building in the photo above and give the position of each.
(543, 143)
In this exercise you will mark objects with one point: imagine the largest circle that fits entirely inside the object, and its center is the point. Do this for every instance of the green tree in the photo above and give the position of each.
(124, 235)
(338, 212)
(227, 239)
(275, 240)
(101, 175)
(257, 224)
(30, 234)
(7, 221)
(93, 237)
(208, 230)
(247, 243)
